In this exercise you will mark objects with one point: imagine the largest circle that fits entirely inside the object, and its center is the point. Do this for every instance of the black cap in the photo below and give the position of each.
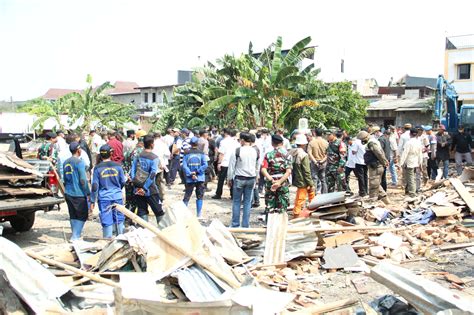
(59, 131)
(105, 151)
(51, 135)
(413, 131)
(277, 139)
(74, 146)
(130, 133)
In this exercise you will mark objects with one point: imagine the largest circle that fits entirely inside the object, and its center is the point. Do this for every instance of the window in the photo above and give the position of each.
(153, 97)
(145, 98)
(464, 71)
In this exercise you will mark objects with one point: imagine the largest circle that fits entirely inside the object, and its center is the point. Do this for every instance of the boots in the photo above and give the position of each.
(199, 207)
(76, 227)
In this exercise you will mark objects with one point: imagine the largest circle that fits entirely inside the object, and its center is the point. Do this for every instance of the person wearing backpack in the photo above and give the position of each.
(301, 174)
(242, 173)
(194, 168)
(376, 161)
(143, 174)
(107, 183)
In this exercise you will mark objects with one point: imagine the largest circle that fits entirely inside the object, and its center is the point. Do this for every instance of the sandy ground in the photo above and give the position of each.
(53, 228)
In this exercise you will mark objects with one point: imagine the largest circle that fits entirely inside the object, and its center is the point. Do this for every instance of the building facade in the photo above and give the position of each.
(459, 66)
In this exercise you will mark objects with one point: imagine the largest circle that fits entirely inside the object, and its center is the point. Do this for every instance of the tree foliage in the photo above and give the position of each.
(269, 89)
(91, 106)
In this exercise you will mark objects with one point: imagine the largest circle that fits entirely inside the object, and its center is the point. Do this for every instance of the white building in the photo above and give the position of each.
(459, 66)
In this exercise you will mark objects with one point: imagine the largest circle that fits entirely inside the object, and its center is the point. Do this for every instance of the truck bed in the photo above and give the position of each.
(29, 203)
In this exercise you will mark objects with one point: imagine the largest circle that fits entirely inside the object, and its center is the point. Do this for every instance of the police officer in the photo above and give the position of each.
(336, 158)
(276, 169)
(376, 161)
(107, 183)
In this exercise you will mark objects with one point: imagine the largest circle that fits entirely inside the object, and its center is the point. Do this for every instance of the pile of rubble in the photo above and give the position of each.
(182, 267)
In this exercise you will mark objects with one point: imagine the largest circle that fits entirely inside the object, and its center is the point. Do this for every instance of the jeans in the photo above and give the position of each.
(445, 168)
(243, 191)
(174, 167)
(393, 172)
(221, 181)
(459, 157)
(318, 174)
(360, 172)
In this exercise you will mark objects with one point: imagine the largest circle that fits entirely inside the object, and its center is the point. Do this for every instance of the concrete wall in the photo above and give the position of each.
(464, 88)
(159, 95)
(414, 118)
(133, 98)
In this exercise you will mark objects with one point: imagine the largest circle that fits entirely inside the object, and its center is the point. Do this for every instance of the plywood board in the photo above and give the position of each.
(463, 192)
(344, 238)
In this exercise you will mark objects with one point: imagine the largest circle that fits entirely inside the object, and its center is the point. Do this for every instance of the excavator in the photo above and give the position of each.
(451, 116)
(447, 111)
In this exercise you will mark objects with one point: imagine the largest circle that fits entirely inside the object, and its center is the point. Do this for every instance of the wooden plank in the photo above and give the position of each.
(463, 192)
(60, 182)
(341, 239)
(328, 307)
(320, 230)
(199, 259)
(456, 246)
(15, 177)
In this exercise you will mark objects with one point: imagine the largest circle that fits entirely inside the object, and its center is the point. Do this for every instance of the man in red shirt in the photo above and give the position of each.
(117, 147)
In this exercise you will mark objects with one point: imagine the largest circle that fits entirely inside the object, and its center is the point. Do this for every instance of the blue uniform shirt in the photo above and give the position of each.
(194, 162)
(107, 181)
(149, 163)
(75, 178)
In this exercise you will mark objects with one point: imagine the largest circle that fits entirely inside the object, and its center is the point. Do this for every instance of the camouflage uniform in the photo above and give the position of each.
(48, 149)
(376, 168)
(336, 159)
(277, 162)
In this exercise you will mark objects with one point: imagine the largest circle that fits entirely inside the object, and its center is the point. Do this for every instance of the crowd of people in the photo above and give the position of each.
(135, 169)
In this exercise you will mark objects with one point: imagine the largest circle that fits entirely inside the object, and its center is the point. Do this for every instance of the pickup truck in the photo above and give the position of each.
(24, 187)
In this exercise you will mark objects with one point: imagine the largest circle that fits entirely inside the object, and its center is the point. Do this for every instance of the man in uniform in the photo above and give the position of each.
(376, 162)
(336, 158)
(276, 169)
(48, 150)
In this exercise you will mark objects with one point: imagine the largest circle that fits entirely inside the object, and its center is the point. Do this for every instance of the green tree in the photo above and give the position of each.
(46, 109)
(93, 105)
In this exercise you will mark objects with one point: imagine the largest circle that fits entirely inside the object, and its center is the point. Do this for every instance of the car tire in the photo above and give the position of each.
(23, 222)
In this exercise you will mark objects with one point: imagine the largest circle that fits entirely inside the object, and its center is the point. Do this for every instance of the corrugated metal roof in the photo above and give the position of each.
(399, 103)
(10, 160)
(197, 285)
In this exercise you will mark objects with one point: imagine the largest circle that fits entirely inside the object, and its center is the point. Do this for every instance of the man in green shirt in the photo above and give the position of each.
(301, 174)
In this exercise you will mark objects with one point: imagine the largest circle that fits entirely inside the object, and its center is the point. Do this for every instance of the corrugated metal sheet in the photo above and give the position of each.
(197, 285)
(325, 199)
(10, 160)
(38, 287)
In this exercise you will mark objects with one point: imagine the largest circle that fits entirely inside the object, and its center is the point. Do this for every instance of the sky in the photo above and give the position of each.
(56, 43)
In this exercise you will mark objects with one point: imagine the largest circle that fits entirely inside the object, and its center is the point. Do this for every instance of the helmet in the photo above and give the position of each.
(363, 135)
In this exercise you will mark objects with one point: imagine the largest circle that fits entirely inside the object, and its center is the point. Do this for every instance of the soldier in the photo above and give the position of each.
(48, 150)
(276, 169)
(336, 158)
(375, 160)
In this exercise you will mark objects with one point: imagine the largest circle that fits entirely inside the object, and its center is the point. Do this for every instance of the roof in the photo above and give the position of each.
(54, 94)
(123, 87)
(409, 81)
(158, 86)
(460, 42)
(400, 104)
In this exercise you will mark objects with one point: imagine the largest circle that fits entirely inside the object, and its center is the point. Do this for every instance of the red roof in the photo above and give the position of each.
(54, 94)
(123, 87)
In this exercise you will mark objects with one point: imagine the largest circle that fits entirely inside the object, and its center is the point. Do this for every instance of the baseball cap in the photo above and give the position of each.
(74, 146)
(407, 126)
(105, 149)
(427, 128)
(194, 140)
(51, 135)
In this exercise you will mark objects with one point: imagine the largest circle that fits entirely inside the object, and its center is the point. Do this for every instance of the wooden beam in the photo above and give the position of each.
(83, 273)
(319, 230)
(463, 192)
(328, 307)
(162, 236)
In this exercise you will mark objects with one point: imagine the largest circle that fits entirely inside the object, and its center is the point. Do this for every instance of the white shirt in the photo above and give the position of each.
(351, 156)
(404, 138)
(162, 150)
(286, 144)
(168, 139)
(359, 149)
(227, 146)
(393, 143)
(97, 142)
(412, 155)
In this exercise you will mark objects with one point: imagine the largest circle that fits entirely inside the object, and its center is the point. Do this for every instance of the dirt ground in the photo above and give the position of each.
(53, 228)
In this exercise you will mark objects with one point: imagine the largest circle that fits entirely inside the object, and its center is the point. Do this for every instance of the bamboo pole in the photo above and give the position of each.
(162, 236)
(320, 230)
(83, 273)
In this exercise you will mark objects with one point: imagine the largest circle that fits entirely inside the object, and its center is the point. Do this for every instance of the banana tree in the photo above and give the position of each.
(45, 110)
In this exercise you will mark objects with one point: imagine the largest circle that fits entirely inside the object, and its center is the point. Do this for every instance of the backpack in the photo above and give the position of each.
(141, 175)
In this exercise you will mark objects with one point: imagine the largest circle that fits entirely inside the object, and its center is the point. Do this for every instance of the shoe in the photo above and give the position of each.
(216, 197)
(255, 205)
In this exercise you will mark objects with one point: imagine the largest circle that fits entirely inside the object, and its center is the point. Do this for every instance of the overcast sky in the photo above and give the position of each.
(56, 43)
